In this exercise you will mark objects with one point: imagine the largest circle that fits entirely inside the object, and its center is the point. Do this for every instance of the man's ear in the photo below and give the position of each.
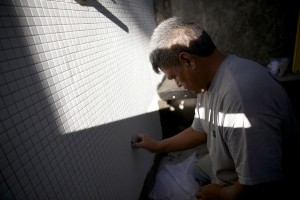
(186, 59)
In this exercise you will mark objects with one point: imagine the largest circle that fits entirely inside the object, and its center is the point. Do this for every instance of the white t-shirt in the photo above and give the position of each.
(243, 114)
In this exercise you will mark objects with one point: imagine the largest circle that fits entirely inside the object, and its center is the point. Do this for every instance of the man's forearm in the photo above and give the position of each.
(232, 192)
(186, 139)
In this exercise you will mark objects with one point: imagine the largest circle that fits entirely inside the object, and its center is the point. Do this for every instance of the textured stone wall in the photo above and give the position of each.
(259, 30)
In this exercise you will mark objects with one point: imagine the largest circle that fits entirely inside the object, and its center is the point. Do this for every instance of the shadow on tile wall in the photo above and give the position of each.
(38, 159)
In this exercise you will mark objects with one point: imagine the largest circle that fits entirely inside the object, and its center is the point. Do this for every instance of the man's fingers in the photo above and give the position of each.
(198, 194)
(136, 140)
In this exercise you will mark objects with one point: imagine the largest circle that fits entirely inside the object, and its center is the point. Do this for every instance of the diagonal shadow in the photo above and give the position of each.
(98, 6)
(37, 161)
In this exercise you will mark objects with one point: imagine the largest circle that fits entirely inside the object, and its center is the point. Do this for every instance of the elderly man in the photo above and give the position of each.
(242, 113)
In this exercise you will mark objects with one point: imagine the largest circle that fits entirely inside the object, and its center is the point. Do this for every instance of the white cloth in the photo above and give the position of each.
(175, 181)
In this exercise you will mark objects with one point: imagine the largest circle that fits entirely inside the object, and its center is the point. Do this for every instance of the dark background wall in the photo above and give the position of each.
(256, 29)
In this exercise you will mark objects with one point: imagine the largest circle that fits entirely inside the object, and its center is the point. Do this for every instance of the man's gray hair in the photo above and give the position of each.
(175, 35)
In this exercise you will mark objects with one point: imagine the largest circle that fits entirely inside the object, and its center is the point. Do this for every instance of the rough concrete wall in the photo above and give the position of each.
(75, 85)
(256, 29)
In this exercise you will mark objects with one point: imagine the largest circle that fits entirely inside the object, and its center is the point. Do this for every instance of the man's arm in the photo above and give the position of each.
(220, 192)
(186, 139)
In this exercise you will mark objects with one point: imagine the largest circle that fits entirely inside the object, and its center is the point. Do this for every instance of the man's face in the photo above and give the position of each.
(184, 77)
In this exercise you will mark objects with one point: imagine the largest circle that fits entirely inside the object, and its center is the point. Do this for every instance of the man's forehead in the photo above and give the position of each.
(170, 72)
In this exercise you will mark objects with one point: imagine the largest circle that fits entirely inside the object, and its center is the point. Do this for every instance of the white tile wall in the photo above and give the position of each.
(76, 85)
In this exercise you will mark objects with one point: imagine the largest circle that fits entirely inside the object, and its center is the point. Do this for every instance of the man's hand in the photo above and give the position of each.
(144, 141)
(209, 192)
(222, 192)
